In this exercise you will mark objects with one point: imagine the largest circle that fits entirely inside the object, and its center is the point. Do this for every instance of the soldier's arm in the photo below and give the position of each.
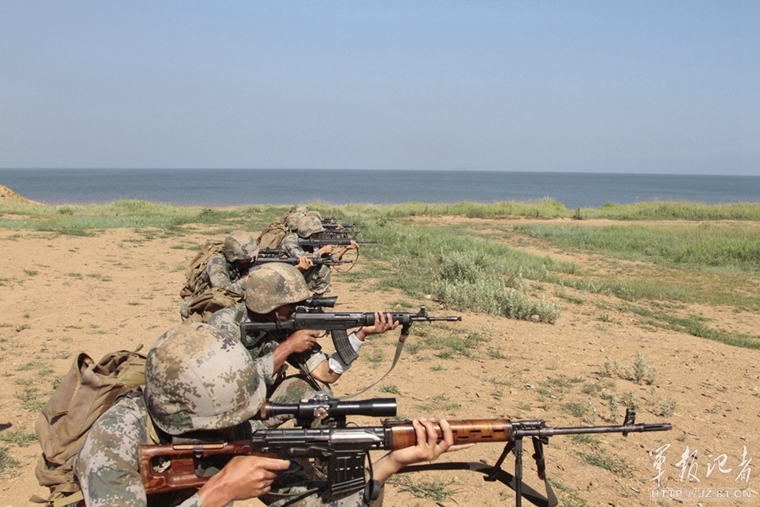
(218, 274)
(291, 247)
(239, 286)
(107, 467)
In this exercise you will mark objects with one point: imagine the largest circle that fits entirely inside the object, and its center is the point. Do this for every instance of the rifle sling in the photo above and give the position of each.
(530, 494)
(399, 347)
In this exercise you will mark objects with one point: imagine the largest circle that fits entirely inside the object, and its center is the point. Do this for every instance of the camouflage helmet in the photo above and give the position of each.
(309, 225)
(198, 377)
(314, 214)
(240, 245)
(292, 221)
(273, 285)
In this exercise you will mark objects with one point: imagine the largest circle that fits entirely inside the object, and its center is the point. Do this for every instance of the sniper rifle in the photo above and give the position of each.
(346, 448)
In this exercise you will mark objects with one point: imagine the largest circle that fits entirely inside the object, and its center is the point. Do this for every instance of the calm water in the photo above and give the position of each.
(231, 187)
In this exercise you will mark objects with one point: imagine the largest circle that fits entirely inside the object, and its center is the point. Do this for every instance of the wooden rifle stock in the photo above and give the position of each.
(469, 431)
(180, 474)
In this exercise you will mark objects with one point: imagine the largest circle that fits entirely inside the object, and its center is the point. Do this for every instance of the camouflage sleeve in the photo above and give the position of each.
(107, 466)
(239, 286)
(265, 368)
(291, 247)
(226, 320)
(218, 274)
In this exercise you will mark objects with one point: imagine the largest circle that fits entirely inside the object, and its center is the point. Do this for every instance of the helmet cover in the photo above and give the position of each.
(309, 225)
(240, 246)
(198, 377)
(273, 285)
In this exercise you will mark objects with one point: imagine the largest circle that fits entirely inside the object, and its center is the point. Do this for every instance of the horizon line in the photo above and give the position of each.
(471, 170)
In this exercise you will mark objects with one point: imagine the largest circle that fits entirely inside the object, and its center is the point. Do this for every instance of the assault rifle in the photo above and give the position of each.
(337, 323)
(320, 242)
(336, 230)
(293, 261)
(346, 448)
(337, 239)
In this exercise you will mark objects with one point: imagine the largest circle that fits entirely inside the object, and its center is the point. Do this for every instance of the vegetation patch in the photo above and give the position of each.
(7, 461)
(433, 489)
(19, 437)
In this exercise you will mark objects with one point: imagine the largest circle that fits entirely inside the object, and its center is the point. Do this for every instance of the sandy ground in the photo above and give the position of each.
(117, 290)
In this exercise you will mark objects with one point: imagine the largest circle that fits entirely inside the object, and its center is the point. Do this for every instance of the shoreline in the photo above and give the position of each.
(343, 187)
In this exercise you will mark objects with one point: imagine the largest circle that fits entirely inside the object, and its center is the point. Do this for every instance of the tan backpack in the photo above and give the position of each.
(84, 394)
(197, 266)
(203, 306)
(272, 235)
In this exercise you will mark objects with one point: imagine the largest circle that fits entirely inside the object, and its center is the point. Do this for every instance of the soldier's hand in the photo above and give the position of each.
(304, 263)
(383, 322)
(353, 246)
(428, 448)
(302, 340)
(326, 250)
(242, 478)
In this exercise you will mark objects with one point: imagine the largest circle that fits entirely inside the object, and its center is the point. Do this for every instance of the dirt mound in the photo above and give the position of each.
(8, 195)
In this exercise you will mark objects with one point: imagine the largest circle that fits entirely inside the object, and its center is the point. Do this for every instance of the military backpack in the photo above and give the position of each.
(272, 235)
(84, 394)
(197, 266)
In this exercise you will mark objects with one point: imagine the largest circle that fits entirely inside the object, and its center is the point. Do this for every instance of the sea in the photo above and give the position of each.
(235, 187)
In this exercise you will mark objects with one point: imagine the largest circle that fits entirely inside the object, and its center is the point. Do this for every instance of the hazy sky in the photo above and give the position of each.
(604, 86)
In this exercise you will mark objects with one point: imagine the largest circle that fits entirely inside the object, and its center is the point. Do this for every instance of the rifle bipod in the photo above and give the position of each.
(494, 473)
(516, 482)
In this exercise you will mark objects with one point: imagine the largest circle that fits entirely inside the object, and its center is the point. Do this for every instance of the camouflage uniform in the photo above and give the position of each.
(184, 366)
(317, 277)
(281, 390)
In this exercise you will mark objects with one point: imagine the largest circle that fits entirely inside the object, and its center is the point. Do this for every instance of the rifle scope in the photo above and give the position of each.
(322, 406)
(319, 301)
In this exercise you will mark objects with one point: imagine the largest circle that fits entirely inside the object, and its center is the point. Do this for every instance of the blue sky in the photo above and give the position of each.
(605, 86)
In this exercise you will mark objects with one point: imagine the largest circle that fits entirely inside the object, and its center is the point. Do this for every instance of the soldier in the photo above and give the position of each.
(228, 269)
(317, 277)
(272, 294)
(200, 380)
(225, 272)
(185, 366)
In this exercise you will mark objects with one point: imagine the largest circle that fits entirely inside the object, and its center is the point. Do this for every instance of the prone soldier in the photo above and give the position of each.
(317, 277)
(273, 292)
(225, 271)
